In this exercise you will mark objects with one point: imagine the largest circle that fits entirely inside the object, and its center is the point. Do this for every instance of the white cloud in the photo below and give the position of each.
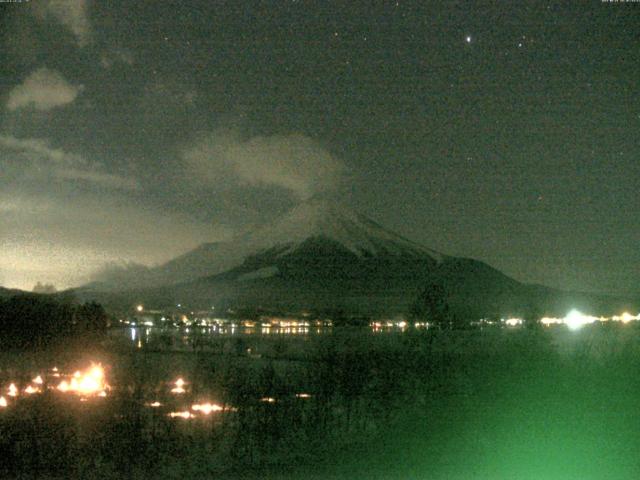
(33, 158)
(44, 89)
(64, 241)
(71, 14)
(293, 162)
(40, 148)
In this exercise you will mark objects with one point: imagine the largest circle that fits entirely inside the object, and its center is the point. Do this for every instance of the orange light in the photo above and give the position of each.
(13, 390)
(184, 415)
(207, 408)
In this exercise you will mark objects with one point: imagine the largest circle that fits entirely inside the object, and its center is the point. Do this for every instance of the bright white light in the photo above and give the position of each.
(37, 380)
(30, 389)
(89, 383)
(3, 402)
(468, 39)
(185, 415)
(13, 390)
(626, 317)
(513, 322)
(575, 320)
(207, 408)
(550, 321)
(139, 308)
(96, 372)
(179, 388)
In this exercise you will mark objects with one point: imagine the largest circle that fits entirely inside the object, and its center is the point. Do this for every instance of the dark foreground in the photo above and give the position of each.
(503, 404)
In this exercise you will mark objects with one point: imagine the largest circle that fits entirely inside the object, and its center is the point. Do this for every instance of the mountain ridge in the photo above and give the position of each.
(321, 256)
(316, 217)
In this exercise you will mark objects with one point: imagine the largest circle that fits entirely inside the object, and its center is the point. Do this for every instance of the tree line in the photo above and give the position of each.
(35, 321)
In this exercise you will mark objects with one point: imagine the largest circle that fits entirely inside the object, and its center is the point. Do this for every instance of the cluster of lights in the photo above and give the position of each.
(513, 322)
(205, 409)
(575, 319)
(179, 386)
(202, 319)
(90, 383)
(401, 324)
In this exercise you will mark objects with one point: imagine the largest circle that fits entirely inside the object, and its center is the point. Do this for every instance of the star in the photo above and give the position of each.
(468, 39)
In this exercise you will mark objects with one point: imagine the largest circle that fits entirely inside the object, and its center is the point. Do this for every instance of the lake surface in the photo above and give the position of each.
(339, 403)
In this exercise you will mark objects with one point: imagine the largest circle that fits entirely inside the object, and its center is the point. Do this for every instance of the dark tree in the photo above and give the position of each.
(36, 321)
(532, 316)
(91, 317)
(432, 305)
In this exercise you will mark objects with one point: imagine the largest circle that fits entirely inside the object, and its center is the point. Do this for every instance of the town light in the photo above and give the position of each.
(575, 320)
(207, 408)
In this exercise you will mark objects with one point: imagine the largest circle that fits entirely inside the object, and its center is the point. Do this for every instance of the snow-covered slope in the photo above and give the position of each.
(335, 222)
(322, 256)
(316, 218)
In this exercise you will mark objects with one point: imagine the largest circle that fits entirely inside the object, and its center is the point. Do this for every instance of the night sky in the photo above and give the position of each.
(502, 131)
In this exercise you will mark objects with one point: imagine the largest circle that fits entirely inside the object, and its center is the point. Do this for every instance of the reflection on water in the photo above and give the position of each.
(187, 338)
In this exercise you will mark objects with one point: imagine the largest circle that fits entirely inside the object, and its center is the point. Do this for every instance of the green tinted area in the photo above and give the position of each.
(562, 406)
(494, 404)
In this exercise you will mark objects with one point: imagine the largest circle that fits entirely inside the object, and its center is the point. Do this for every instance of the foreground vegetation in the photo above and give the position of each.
(455, 405)
(33, 321)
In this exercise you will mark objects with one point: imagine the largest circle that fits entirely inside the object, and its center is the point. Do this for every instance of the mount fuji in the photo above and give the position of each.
(323, 256)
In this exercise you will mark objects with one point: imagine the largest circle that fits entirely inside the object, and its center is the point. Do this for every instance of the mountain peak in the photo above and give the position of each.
(324, 217)
(319, 218)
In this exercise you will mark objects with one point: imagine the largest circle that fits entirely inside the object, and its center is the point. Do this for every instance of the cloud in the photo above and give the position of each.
(107, 180)
(40, 148)
(64, 241)
(32, 159)
(71, 14)
(116, 55)
(294, 162)
(44, 89)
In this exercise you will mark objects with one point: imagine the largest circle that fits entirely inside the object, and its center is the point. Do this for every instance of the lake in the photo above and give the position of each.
(341, 403)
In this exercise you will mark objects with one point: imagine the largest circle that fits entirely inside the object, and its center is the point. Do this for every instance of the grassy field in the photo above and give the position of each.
(493, 404)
